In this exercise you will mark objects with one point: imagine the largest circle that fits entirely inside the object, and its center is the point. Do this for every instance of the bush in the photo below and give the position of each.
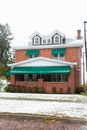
(6, 89)
(80, 89)
(47, 119)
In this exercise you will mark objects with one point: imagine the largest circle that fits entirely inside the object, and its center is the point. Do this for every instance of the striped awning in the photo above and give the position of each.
(41, 70)
(58, 51)
(32, 52)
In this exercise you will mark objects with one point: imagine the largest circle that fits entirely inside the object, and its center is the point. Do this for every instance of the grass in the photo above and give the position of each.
(84, 94)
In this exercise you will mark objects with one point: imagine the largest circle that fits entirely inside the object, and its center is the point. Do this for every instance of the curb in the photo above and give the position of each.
(27, 117)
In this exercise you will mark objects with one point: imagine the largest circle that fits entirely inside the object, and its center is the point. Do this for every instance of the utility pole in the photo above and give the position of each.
(84, 53)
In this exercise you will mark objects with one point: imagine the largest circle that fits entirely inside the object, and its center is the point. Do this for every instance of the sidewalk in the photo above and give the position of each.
(44, 104)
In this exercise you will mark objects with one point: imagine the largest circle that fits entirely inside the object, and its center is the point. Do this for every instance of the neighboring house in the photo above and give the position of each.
(52, 62)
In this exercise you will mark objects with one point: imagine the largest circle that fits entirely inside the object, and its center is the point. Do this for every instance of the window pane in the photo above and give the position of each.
(56, 39)
(44, 41)
(31, 56)
(59, 77)
(48, 41)
(53, 77)
(64, 77)
(55, 56)
(37, 40)
(62, 57)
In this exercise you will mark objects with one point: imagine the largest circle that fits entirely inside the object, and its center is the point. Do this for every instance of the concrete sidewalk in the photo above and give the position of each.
(44, 104)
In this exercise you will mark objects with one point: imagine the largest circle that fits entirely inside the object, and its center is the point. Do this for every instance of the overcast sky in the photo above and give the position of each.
(26, 16)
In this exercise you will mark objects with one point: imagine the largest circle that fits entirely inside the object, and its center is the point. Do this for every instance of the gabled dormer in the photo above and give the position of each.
(57, 37)
(54, 38)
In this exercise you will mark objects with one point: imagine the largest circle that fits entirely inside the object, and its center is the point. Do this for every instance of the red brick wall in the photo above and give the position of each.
(73, 55)
(50, 85)
(12, 79)
(20, 55)
(60, 87)
(71, 82)
(46, 53)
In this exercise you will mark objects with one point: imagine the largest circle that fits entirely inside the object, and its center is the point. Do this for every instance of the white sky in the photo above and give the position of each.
(26, 16)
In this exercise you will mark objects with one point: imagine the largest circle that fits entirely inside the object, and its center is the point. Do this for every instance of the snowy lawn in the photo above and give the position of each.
(63, 105)
(48, 97)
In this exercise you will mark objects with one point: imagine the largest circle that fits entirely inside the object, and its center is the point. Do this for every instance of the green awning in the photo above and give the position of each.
(41, 70)
(8, 73)
(32, 52)
(58, 51)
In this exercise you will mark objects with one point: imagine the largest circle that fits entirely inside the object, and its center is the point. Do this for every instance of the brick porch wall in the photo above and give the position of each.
(48, 86)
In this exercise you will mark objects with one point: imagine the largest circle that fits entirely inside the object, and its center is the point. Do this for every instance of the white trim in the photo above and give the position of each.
(66, 45)
(43, 61)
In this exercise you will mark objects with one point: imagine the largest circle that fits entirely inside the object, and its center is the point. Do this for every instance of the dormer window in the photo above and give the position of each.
(44, 41)
(48, 41)
(56, 39)
(37, 40)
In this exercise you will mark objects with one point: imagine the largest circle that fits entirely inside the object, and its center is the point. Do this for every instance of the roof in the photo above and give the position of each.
(42, 61)
(68, 42)
(50, 35)
(75, 43)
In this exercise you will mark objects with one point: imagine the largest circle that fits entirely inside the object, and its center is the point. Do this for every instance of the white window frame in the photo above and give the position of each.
(46, 41)
(33, 56)
(37, 43)
(54, 39)
(59, 57)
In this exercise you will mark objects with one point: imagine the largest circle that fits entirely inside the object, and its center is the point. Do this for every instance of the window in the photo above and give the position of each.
(56, 39)
(48, 41)
(33, 56)
(30, 77)
(59, 57)
(37, 40)
(44, 40)
(60, 77)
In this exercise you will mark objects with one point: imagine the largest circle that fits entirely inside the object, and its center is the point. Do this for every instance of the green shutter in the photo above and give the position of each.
(58, 51)
(32, 52)
(41, 70)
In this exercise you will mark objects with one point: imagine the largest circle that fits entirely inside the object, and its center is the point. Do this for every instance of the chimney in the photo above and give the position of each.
(78, 34)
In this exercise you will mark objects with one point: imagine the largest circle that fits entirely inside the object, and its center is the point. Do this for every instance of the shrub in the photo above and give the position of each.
(47, 119)
(80, 89)
(6, 89)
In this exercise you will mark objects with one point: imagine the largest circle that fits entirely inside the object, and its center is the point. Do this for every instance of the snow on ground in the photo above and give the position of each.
(52, 97)
(46, 107)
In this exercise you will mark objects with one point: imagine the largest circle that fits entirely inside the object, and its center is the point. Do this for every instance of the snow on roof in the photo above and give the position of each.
(50, 35)
(76, 43)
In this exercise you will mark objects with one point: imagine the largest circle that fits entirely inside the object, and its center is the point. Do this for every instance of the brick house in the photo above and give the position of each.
(51, 62)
